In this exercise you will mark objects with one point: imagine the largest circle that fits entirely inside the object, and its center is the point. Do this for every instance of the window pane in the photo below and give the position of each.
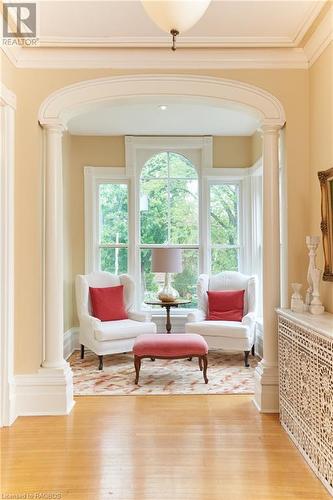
(184, 282)
(157, 166)
(179, 166)
(183, 211)
(225, 259)
(113, 260)
(154, 220)
(113, 213)
(150, 282)
(224, 214)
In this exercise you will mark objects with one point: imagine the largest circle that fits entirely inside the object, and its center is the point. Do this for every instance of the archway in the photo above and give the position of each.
(68, 102)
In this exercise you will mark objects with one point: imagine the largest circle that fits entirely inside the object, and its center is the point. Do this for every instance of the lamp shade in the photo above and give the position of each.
(178, 15)
(166, 260)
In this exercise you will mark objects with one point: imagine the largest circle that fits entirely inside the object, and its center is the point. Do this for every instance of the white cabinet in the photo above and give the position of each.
(306, 387)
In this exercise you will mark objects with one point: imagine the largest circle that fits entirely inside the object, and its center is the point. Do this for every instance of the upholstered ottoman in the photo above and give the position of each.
(170, 346)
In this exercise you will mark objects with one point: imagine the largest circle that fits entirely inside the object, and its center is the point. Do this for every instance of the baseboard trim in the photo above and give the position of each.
(71, 341)
(177, 323)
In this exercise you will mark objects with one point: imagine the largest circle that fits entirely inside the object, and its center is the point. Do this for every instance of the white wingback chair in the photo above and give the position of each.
(108, 337)
(226, 335)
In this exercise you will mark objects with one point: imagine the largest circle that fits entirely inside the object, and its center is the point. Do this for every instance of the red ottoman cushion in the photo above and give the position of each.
(170, 345)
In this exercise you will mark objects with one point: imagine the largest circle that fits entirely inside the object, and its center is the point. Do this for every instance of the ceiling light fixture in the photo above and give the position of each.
(163, 107)
(175, 16)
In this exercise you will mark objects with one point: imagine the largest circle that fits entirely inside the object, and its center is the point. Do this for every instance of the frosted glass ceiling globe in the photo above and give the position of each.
(178, 15)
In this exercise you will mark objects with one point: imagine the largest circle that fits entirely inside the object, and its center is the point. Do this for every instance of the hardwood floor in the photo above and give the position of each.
(155, 447)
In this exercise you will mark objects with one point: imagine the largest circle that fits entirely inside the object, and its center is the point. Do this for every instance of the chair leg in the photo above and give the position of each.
(246, 358)
(200, 363)
(137, 365)
(100, 366)
(253, 351)
(190, 358)
(205, 363)
(82, 351)
(152, 359)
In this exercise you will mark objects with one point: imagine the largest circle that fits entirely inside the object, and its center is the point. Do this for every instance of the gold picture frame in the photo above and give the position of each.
(326, 185)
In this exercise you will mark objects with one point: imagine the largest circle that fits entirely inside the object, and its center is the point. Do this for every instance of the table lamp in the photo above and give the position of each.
(167, 260)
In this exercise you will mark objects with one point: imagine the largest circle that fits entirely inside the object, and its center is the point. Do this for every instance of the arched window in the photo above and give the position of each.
(169, 215)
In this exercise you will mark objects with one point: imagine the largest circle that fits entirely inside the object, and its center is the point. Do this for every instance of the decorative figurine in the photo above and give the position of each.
(297, 304)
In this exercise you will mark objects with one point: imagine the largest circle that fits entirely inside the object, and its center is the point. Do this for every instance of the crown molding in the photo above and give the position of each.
(7, 97)
(117, 58)
(186, 41)
(307, 22)
(153, 53)
(13, 53)
(198, 42)
(320, 39)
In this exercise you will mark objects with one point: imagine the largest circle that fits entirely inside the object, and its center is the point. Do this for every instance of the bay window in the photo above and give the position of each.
(167, 194)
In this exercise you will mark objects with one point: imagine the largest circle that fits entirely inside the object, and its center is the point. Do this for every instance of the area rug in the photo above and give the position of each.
(226, 373)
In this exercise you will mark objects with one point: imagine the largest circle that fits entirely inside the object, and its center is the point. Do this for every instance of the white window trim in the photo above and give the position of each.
(130, 174)
(93, 177)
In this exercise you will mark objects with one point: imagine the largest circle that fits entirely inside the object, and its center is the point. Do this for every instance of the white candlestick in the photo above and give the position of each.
(312, 243)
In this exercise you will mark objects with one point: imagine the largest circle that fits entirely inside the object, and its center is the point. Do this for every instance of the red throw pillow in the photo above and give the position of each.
(227, 305)
(108, 303)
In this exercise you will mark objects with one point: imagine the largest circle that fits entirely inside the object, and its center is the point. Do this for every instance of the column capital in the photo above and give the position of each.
(54, 126)
(270, 128)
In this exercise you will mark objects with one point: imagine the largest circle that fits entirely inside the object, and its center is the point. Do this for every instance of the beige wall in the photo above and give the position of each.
(321, 146)
(32, 86)
(232, 152)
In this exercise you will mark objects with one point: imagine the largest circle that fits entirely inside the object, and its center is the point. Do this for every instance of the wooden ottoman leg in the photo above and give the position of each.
(100, 366)
(205, 363)
(200, 363)
(82, 351)
(137, 364)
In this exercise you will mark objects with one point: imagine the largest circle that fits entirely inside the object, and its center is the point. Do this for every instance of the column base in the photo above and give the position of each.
(266, 395)
(56, 365)
(48, 392)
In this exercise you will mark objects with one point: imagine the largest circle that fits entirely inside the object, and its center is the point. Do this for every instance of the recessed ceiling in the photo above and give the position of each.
(274, 23)
(144, 116)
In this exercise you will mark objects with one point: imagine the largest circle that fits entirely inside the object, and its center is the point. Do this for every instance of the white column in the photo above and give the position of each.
(53, 281)
(266, 375)
(55, 383)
